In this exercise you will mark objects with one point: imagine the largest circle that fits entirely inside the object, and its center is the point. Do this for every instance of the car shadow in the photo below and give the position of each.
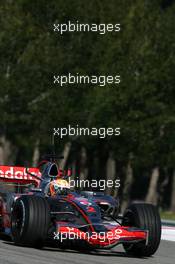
(99, 252)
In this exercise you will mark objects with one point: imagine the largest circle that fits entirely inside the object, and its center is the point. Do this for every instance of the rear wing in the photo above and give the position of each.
(18, 175)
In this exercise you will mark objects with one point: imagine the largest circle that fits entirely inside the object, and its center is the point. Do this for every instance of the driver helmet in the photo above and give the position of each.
(58, 187)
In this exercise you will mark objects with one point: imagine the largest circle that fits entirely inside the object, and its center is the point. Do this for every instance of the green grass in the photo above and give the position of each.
(167, 215)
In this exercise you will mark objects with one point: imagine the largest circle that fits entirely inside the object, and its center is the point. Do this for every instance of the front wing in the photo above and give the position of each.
(109, 239)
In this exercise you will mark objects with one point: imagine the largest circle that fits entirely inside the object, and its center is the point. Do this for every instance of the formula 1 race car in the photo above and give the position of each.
(38, 208)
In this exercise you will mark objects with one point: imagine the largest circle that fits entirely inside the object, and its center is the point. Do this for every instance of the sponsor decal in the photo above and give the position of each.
(18, 173)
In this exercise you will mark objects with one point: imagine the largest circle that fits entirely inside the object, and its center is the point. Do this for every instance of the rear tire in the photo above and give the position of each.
(29, 221)
(147, 217)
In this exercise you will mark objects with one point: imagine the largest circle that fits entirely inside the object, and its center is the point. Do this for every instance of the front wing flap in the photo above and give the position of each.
(107, 239)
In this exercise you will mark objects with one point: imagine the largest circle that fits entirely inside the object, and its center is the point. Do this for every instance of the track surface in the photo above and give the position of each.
(10, 254)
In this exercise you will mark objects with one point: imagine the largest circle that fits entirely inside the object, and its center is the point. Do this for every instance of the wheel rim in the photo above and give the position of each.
(18, 217)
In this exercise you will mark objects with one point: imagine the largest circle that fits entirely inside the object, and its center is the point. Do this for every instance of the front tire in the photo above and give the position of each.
(147, 217)
(30, 220)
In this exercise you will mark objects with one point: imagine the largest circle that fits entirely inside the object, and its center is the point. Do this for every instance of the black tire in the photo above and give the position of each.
(144, 216)
(29, 221)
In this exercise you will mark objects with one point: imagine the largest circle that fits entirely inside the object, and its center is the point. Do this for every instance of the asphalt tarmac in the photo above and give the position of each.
(11, 254)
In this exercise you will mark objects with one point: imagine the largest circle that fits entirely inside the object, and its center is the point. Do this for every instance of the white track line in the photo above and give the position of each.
(168, 233)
